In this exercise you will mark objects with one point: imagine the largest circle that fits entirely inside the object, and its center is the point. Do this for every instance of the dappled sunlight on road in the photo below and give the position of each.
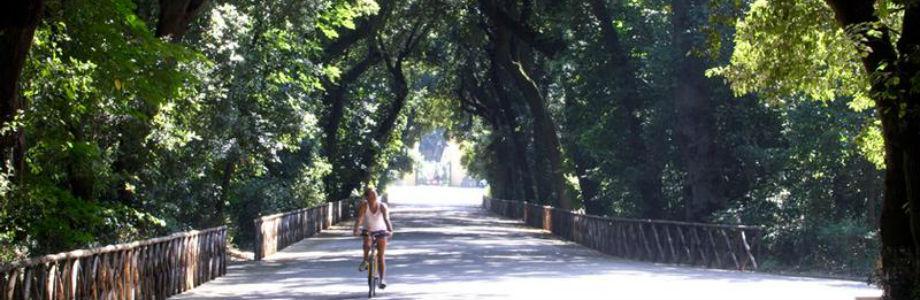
(445, 247)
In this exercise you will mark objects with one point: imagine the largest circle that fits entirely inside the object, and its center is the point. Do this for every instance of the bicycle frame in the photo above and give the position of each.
(372, 271)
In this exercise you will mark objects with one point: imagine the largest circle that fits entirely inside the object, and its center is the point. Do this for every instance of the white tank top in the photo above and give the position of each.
(373, 221)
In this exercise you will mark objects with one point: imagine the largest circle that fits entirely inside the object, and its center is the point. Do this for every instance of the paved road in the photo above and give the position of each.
(447, 248)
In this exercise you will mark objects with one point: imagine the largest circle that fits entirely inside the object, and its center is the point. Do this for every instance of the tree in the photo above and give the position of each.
(358, 124)
(627, 92)
(504, 29)
(176, 15)
(131, 135)
(875, 64)
(694, 108)
(335, 98)
(16, 30)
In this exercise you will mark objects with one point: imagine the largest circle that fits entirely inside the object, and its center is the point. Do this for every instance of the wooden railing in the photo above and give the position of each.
(275, 232)
(710, 245)
(151, 269)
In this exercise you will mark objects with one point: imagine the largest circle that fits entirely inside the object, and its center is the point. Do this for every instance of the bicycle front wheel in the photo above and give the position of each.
(371, 286)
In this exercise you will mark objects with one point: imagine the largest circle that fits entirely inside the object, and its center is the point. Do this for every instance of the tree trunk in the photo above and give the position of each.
(366, 27)
(648, 181)
(582, 160)
(381, 135)
(226, 180)
(899, 270)
(474, 99)
(518, 143)
(505, 171)
(898, 108)
(521, 49)
(335, 101)
(695, 121)
(176, 16)
(519, 150)
(909, 99)
(17, 27)
(335, 98)
(546, 142)
(507, 175)
(519, 157)
(873, 193)
(496, 109)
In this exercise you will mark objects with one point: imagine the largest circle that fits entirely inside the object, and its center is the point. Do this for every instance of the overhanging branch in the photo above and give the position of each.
(548, 45)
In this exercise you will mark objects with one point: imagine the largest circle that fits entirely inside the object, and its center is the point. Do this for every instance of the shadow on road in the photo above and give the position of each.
(451, 249)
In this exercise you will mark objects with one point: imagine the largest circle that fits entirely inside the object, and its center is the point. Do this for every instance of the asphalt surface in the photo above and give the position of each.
(446, 247)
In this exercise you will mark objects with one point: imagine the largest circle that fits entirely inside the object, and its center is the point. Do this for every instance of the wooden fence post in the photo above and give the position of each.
(275, 232)
(712, 245)
(150, 269)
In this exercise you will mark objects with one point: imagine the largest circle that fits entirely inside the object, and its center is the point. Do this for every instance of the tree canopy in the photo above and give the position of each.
(125, 119)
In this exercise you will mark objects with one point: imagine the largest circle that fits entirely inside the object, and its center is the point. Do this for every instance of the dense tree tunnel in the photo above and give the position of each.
(125, 119)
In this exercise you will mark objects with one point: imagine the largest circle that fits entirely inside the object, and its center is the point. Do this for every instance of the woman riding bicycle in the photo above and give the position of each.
(376, 219)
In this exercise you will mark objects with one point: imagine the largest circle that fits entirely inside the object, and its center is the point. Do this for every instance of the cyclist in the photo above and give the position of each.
(375, 216)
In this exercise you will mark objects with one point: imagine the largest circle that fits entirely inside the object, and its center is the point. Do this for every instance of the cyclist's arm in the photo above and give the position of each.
(360, 218)
(386, 217)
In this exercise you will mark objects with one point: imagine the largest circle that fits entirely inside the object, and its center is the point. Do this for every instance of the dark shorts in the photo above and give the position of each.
(378, 234)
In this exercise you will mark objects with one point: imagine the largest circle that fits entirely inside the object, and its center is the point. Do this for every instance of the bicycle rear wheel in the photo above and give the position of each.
(371, 286)
(372, 277)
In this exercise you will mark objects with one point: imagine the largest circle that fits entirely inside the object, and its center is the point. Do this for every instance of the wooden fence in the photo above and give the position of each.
(275, 232)
(151, 269)
(710, 245)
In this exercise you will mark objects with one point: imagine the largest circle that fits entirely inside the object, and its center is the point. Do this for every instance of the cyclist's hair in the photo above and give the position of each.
(368, 191)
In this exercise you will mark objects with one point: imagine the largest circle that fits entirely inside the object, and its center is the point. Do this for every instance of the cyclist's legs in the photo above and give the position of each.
(367, 246)
(381, 259)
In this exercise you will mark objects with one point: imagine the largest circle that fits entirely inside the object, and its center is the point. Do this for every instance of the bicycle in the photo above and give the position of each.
(372, 273)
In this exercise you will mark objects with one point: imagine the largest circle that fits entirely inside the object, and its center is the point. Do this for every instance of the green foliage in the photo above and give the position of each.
(229, 117)
(786, 48)
(871, 144)
(476, 159)
(791, 53)
(341, 14)
(806, 169)
(89, 67)
(815, 191)
(246, 138)
(789, 47)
